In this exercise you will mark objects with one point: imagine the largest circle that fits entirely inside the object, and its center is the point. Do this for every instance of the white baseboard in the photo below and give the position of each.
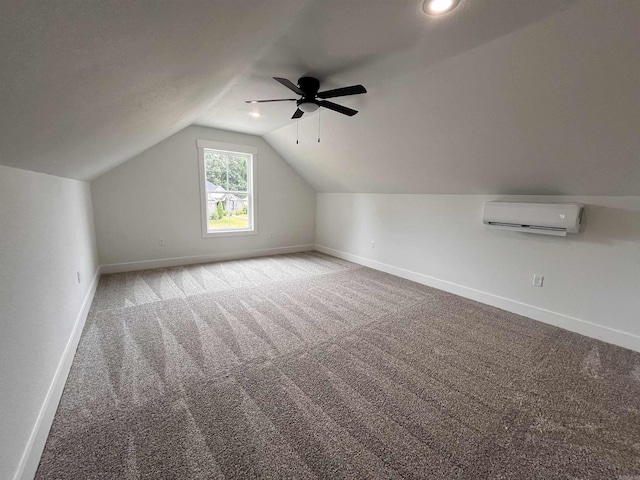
(216, 257)
(593, 330)
(35, 445)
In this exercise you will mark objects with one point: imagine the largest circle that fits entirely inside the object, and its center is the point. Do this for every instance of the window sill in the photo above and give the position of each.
(229, 233)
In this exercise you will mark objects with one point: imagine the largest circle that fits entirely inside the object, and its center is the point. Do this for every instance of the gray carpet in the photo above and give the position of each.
(306, 366)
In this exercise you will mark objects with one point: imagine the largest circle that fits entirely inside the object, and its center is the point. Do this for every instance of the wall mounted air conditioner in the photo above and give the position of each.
(545, 218)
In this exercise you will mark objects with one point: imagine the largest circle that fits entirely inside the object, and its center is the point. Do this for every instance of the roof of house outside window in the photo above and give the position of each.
(211, 187)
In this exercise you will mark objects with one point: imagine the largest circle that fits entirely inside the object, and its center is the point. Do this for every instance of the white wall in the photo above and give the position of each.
(46, 236)
(157, 195)
(593, 276)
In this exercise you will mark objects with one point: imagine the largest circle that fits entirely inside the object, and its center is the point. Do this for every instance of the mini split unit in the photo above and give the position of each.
(546, 218)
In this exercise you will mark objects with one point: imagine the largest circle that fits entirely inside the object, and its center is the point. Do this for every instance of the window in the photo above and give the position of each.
(227, 188)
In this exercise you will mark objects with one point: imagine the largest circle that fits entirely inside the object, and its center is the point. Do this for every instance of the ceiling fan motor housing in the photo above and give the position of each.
(310, 87)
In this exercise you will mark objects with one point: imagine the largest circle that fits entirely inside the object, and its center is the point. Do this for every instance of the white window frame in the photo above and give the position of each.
(251, 188)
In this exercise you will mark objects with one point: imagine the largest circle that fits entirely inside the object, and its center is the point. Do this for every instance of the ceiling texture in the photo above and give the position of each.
(497, 97)
(86, 85)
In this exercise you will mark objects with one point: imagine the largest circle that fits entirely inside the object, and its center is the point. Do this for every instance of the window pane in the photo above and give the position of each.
(226, 170)
(216, 170)
(237, 171)
(226, 183)
(231, 211)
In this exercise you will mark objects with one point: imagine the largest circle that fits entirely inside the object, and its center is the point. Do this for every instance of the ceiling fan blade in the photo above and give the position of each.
(337, 108)
(277, 100)
(298, 114)
(290, 85)
(341, 92)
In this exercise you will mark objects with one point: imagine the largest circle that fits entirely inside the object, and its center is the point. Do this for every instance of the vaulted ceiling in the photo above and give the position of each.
(86, 85)
(500, 96)
(550, 109)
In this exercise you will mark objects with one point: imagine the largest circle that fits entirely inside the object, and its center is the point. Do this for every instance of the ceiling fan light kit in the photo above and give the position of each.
(308, 107)
(311, 99)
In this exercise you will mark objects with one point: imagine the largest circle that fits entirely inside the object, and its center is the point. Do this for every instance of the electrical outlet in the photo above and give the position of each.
(161, 242)
(537, 280)
(78, 273)
(373, 244)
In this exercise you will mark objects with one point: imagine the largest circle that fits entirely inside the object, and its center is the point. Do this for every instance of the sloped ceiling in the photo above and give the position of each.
(86, 85)
(363, 41)
(552, 108)
(500, 96)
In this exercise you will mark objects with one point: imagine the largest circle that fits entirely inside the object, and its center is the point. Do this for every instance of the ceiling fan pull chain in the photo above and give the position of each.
(318, 125)
(297, 130)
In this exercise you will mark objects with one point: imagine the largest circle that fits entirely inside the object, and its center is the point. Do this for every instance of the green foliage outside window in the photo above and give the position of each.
(228, 171)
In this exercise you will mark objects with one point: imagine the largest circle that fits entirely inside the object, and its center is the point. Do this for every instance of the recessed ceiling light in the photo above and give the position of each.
(439, 7)
(255, 114)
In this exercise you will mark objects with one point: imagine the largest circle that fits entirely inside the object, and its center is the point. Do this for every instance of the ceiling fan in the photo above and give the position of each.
(310, 99)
